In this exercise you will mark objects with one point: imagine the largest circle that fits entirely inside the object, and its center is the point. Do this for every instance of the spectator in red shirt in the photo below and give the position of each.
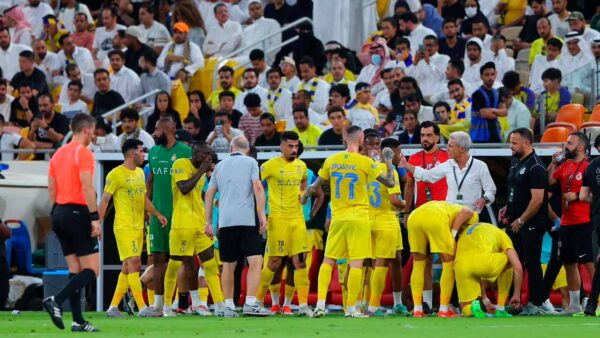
(82, 37)
(250, 123)
(575, 234)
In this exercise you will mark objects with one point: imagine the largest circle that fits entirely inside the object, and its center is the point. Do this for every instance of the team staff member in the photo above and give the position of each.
(349, 236)
(484, 252)
(75, 219)
(160, 160)
(127, 184)
(526, 212)
(575, 234)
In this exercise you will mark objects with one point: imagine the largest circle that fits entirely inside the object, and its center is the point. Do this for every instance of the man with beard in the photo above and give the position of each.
(560, 25)
(181, 58)
(526, 212)
(88, 89)
(9, 54)
(575, 233)
(47, 129)
(578, 24)
(538, 46)
(160, 160)
(136, 47)
(105, 98)
(451, 44)
(250, 78)
(47, 62)
(529, 33)
(131, 130)
(226, 83)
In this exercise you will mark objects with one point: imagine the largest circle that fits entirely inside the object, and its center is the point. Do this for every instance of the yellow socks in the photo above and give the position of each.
(324, 279)
(136, 288)
(504, 283)
(211, 271)
(467, 311)
(446, 285)
(203, 293)
(354, 286)
(301, 283)
(417, 281)
(120, 289)
(377, 286)
(266, 276)
(170, 280)
(150, 296)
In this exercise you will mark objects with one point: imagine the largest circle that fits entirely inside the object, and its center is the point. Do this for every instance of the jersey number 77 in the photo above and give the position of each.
(350, 177)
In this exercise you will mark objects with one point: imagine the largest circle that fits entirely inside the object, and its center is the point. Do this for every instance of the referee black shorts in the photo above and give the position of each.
(72, 225)
(575, 243)
(237, 241)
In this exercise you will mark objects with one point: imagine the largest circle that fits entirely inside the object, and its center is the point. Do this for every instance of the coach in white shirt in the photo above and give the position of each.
(259, 29)
(223, 38)
(156, 34)
(181, 54)
(466, 176)
(9, 54)
(123, 80)
(35, 11)
(413, 30)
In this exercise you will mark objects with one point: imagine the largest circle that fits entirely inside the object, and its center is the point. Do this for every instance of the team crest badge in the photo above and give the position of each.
(522, 171)
(174, 157)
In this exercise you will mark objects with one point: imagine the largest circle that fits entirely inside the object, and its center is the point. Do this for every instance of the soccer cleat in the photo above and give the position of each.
(256, 311)
(219, 310)
(418, 314)
(181, 311)
(169, 312)
(447, 314)
(200, 311)
(426, 309)
(129, 303)
(275, 309)
(571, 310)
(287, 311)
(548, 307)
(318, 313)
(85, 327)
(303, 310)
(502, 314)
(400, 309)
(590, 308)
(113, 312)
(356, 314)
(230, 313)
(54, 311)
(150, 312)
(478, 312)
(377, 313)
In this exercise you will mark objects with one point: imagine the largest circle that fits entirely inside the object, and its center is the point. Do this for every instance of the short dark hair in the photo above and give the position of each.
(75, 83)
(386, 71)
(26, 54)
(431, 37)
(402, 41)
(449, 20)
(455, 82)
(61, 39)
(389, 142)
(194, 120)
(473, 43)
(274, 70)
(289, 135)
(116, 52)
(479, 20)
(24, 84)
(341, 89)
(257, 54)
(412, 98)
(504, 92)
(130, 113)
(2, 120)
(130, 144)
(81, 121)
(101, 124)
(226, 69)
(552, 74)
(150, 56)
(335, 109)
(3, 82)
(511, 79)
(391, 21)
(101, 71)
(583, 139)
(409, 17)
(250, 70)
(113, 11)
(430, 124)
(554, 42)
(442, 104)
(45, 96)
(267, 116)
(71, 67)
(252, 100)
(413, 113)
(487, 65)
(458, 65)
(303, 92)
(148, 7)
(223, 113)
(524, 133)
(370, 132)
(300, 108)
(226, 93)
(217, 6)
(307, 60)
(353, 129)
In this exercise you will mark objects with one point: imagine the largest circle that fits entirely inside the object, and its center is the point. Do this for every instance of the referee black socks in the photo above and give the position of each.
(76, 283)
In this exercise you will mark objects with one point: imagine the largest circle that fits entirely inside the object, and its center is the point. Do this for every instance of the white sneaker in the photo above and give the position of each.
(168, 312)
(201, 311)
(571, 310)
(113, 312)
(318, 313)
(305, 311)
(150, 311)
(356, 314)
(548, 307)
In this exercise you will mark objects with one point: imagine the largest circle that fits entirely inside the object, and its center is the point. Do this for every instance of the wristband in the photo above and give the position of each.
(94, 216)
(454, 233)
(486, 301)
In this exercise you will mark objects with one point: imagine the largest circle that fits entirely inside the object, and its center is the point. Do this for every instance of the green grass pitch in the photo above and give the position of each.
(37, 324)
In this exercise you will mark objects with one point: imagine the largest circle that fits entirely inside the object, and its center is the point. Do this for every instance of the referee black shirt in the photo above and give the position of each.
(524, 175)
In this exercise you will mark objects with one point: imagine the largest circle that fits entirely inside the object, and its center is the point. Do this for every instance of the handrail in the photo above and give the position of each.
(127, 104)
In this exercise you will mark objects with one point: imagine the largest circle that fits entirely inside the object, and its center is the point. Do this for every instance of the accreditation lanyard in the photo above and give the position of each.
(427, 189)
(459, 196)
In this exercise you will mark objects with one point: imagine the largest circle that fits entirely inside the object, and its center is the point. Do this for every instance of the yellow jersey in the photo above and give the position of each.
(379, 197)
(443, 212)
(283, 181)
(188, 210)
(348, 175)
(480, 239)
(128, 189)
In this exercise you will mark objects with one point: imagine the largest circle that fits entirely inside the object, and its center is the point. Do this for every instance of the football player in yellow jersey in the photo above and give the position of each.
(187, 237)
(486, 253)
(385, 226)
(432, 228)
(349, 234)
(127, 185)
(286, 231)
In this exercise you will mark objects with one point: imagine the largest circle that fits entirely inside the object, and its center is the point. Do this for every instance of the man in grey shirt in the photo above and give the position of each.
(152, 78)
(237, 179)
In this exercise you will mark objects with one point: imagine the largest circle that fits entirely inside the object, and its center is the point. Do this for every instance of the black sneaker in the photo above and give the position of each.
(426, 309)
(54, 311)
(85, 327)
(590, 308)
(128, 303)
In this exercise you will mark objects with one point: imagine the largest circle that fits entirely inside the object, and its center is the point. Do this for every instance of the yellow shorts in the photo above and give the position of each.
(286, 237)
(217, 255)
(399, 243)
(188, 242)
(383, 241)
(349, 239)
(129, 243)
(470, 271)
(561, 278)
(424, 233)
(316, 238)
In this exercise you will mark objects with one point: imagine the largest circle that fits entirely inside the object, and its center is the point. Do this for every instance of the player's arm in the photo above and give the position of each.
(552, 168)
(51, 190)
(387, 179)
(185, 186)
(208, 210)
(319, 199)
(463, 216)
(409, 193)
(149, 184)
(149, 207)
(106, 197)
(397, 201)
(515, 263)
(87, 183)
(259, 194)
(537, 198)
(311, 190)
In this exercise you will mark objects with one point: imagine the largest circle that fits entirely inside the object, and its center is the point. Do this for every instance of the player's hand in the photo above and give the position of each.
(515, 226)
(209, 230)
(305, 196)
(403, 162)
(502, 213)
(96, 229)
(515, 301)
(480, 204)
(263, 225)
(388, 154)
(556, 156)
(163, 220)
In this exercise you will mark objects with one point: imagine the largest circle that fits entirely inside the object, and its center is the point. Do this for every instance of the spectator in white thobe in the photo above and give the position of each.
(181, 55)
(225, 36)
(123, 80)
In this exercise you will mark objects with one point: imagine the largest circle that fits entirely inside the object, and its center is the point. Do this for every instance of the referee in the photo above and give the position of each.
(75, 219)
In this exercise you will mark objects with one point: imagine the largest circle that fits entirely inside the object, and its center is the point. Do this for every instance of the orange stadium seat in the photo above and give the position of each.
(556, 134)
(595, 117)
(571, 113)
(570, 126)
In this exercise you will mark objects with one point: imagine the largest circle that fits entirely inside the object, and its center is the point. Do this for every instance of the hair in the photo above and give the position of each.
(583, 140)
(81, 14)
(487, 65)
(541, 2)
(554, 42)
(201, 145)
(341, 89)
(194, 120)
(3, 82)
(339, 52)
(148, 7)
(370, 132)
(412, 98)
(223, 114)
(409, 17)
(462, 139)
(240, 142)
(150, 56)
(504, 92)
(226, 69)
(81, 121)
(252, 100)
(186, 11)
(335, 109)
(458, 65)
(217, 6)
(456, 82)
(432, 38)
(256, 55)
(402, 41)
(449, 20)
(386, 71)
(442, 104)
(429, 124)
(27, 54)
(479, 20)
(2, 120)
(116, 52)
(24, 84)
(75, 83)
(304, 93)
(552, 74)
(500, 37)
(71, 67)
(130, 113)
(101, 71)
(511, 79)
(62, 38)
(274, 70)
(473, 43)
(524, 133)
(300, 108)
(289, 135)
(267, 116)
(250, 70)
(130, 144)
(391, 21)
(411, 80)
(307, 60)
(112, 9)
(389, 142)
(226, 93)
(351, 133)
(410, 113)
(101, 124)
